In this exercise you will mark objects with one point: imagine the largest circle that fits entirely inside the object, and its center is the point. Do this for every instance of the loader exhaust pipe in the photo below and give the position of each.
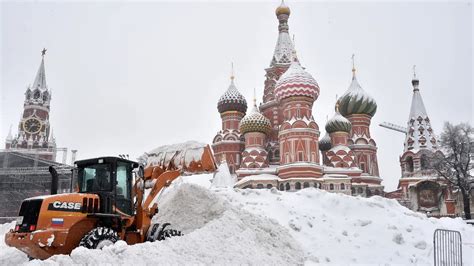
(54, 180)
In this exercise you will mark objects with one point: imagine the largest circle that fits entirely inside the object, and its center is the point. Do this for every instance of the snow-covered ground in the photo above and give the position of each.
(230, 226)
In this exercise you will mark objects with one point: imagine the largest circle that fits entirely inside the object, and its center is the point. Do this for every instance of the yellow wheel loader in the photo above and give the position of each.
(109, 203)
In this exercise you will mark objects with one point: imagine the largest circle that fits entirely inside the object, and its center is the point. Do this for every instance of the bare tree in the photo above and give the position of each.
(455, 164)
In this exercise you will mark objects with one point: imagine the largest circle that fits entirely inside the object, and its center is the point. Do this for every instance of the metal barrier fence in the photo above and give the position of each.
(447, 248)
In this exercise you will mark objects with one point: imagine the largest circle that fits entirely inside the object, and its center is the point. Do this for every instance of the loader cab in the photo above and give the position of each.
(111, 179)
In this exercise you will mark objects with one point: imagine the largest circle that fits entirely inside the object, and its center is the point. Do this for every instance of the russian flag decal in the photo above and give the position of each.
(57, 221)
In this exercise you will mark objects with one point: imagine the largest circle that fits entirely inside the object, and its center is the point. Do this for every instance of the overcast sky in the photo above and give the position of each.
(128, 77)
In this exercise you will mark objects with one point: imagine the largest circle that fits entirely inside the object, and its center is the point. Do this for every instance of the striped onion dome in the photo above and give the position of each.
(296, 82)
(338, 123)
(356, 101)
(255, 122)
(325, 143)
(232, 100)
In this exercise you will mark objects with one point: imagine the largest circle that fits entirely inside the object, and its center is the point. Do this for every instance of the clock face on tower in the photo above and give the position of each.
(32, 125)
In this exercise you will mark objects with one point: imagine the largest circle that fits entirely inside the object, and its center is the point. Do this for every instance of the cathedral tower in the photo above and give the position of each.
(255, 127)
(359, 108)
(340, 155)
(228, 143)
(420, 140)
(283, 55)
(34, 130)
(296, 91)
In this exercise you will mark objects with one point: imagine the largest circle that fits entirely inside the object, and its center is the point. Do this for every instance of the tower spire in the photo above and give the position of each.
(40, 79)
(232, 75)
(353, 66)
(415, 81)
(254, 98)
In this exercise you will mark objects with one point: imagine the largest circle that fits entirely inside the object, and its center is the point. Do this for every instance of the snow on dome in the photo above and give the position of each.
(232, 100)
(255, 122)
(338, 123)
(181, 154)
(325, 143)
(296, 82)
(356, 101)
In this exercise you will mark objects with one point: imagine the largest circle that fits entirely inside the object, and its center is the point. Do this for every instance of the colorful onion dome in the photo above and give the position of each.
(255, 122)
(296, 82)
(338, 123)
(325, 143)
(356, 101)
(232, 100)
(283, 9)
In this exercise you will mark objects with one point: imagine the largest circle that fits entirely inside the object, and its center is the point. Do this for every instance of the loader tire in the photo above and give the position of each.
(159, 233)
(98, 238)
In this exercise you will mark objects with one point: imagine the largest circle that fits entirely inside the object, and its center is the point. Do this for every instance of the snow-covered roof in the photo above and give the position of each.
(420, 134)
(261, 177)
(255, 122)
(325, 143)
(232, 100)
(296, 82)
(284, 50)
(356, 100)
(338, 123)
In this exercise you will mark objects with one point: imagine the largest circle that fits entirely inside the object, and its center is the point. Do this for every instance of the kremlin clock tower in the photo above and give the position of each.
(34, 130)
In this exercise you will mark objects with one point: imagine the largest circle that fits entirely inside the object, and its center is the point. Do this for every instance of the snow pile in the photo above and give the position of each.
(341, 229)
(230, 226)
(223, 178)
(8, 255)
(216, 233)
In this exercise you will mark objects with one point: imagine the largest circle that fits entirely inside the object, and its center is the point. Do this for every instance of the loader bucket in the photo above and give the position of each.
(189, 157)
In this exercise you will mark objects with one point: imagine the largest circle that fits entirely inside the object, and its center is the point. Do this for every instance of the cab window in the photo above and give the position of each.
(96, 177)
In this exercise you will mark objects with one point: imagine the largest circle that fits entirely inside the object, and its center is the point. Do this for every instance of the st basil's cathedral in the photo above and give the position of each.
(279, 144)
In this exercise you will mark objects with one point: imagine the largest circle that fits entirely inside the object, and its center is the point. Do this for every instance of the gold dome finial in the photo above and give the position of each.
(337, 104)
(283, 9)
(232, 77)
(353, 66)
(254, 98)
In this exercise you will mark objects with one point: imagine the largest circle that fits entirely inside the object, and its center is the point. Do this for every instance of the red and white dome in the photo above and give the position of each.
(296, 82)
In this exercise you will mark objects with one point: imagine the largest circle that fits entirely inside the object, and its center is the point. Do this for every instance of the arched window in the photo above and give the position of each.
(300, 156)
(297, 185)
(424, 162)
(248, 186)
(409, 164)
(259, 186)
(360, 190)
(287, 186)
(305, 184)
(269, 186)
(282, 187)
(376, 192)
(343, 187)
(331, 186)
(315, 185)
(353, 191)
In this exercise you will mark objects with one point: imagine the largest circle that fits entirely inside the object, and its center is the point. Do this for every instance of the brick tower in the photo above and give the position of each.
(228, 143)
(34, 131)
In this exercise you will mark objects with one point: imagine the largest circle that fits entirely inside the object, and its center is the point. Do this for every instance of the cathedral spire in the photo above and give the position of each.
(420, 134)
(232, 76)
(9, 136)
(40, 80)
(353, 67)
(284, 47)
